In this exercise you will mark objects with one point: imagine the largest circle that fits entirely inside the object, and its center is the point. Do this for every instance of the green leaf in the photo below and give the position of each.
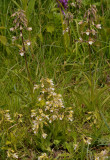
(3, 40)
(16, 4)
(105, 120)
(2, 27)
(56, 142)
(40, 36)
(8, 142)
(30, 8)
(89, 82)
(24, 4)
(105, 101)
(50, 28)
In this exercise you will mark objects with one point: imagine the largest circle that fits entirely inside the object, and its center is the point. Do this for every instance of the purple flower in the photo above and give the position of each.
(63, 4)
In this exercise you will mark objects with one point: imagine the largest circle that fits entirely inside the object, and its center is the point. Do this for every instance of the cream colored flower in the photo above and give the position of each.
(15, 155)
(28, 43)
(12, 29)
(44, 135)
(90, 41)
(43, 156)
(87, 32)
(98, 26)
(21, 54)
(35, 87)
(29, 28)
(81, 22)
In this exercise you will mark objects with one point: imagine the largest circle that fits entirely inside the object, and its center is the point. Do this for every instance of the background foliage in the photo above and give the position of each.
(83, 82)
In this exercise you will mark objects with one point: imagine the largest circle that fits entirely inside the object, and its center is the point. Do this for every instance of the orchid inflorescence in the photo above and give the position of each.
(20, 22)
(91, 26)
(51, 107)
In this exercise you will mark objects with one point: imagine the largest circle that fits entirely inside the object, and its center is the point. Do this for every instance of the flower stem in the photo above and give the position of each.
(27, 68)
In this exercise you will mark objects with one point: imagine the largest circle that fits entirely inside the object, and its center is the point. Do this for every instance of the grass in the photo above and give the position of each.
(81, 130)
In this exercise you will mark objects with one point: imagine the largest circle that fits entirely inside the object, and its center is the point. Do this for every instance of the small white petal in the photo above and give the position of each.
(11, 29)
(29, 28)
(87, 33)
(21, 53)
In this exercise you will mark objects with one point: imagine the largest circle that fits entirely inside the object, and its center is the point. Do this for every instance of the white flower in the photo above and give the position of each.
(7, 116)
(54, 117)
(70, 119)
(21, 27)
(52, 89)
(93, 23)
(11, 29)
(42, 85)
(15, 155)
(96, 158)
(13, 38)
(81, 22)
(103, 153)
(21, 53)
(43, 155)
(54, 94)
(98, 26)
(47, 117)
(67, 29)
(88, 141)
(44, 135)
(73, 4)
(61, 117)
(47, 102)
(29, 28)
(75, 146)
(40, 119)
(50, 81)
(35, 87)
(47, 108)
(34, 132)
(80, 39)
(93, 31)
(59, 95)
(90, 42)
(33, 114)
(87, 33)
(63, 32)
(21, 34)
(39, 99)
(28, 43)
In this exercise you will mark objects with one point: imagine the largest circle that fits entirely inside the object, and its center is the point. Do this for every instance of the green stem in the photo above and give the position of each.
(27, 68)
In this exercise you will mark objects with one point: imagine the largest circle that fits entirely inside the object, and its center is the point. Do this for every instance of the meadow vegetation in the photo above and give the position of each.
(55, 79)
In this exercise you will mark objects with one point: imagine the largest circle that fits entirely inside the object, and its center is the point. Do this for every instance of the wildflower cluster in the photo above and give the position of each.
(92, 118)
(43, 156)
(12, 154)
(87, 140)
(68, 18)
(20, 22)
(91, 26)
(51, 107)
(18, 117)
(5, 116)
(102, 155)
(77, 4)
